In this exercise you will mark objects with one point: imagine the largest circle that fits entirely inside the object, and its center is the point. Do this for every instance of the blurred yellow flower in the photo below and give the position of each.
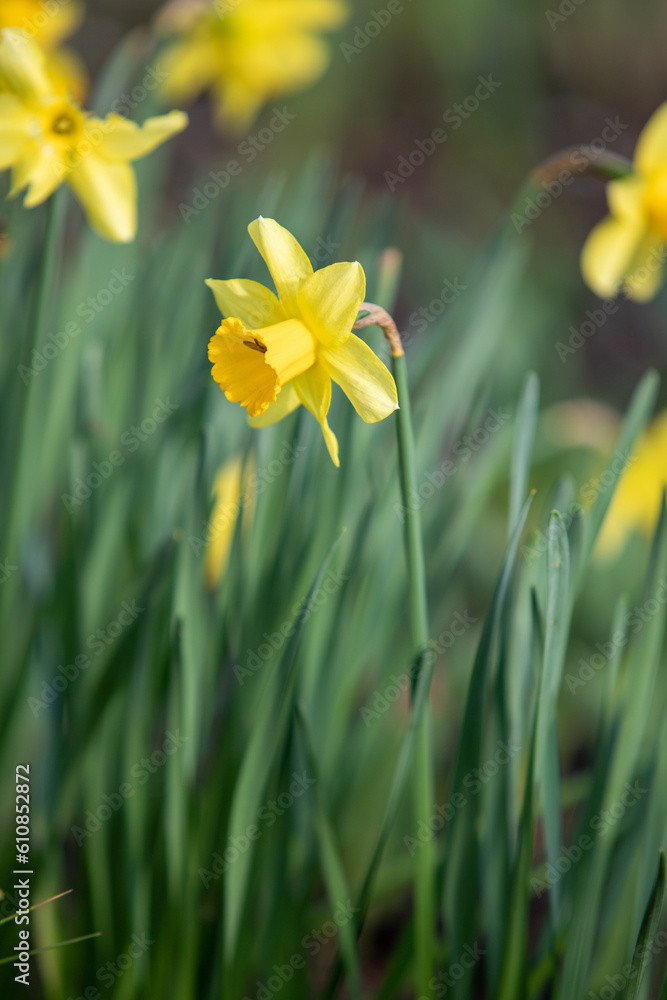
(49, 22)
(626, 251)
(636, 502)
(246, 52)
(272, 353)
(48, 141)
(229, 500)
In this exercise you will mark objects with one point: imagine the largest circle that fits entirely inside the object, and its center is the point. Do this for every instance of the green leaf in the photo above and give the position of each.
(524, 437)
(266, 740)
(647, 931)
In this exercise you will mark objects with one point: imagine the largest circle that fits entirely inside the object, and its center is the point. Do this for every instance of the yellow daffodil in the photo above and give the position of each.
(635, 505)
(227, 491)
(49, 22)
(272, 353)
(48, 140)
(246, 52)
(626, 251)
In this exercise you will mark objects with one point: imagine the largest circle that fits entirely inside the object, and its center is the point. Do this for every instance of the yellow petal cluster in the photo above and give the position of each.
(245, 52)
(626, 251)
(273, 353)
(49, 22)
(635, 505)
(47, 140)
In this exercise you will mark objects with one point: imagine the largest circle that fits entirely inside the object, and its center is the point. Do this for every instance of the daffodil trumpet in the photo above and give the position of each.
(273, 353)
(47, 140)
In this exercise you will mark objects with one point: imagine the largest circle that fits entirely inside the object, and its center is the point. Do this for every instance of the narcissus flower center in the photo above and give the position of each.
(655, 202)
(251, 366)
(64, 124)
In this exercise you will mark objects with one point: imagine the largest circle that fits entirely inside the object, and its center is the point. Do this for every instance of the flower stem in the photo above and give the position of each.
(424, 772)
(424, 783)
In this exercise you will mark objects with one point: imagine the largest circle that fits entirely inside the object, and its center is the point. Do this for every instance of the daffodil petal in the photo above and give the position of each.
(23, 65)
(50, 23)
(295, 15)
(329, 301)
(189, 67)
(365, 380)
(313, 388)
(14, 129)
(651, 149)
(647, 270)
(121, 139)
(626, 197)
(237, 103)
(107, 189)
(331, 442)
(286, 402)
(286, 63)
(255, 305)
(227, 492)
(608, 252)
(288, 264)
(41, 170)
(67, 74)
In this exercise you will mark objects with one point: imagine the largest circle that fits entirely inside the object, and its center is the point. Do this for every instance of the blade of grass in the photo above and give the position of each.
(647, 931)
(334, 873)
(265, 741)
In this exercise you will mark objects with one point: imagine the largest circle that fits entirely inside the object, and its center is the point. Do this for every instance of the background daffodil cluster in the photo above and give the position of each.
(210, 661)
(246, 52)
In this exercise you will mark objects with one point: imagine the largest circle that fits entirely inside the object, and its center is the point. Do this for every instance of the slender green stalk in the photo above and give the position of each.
(423, 761)
(424, 782)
